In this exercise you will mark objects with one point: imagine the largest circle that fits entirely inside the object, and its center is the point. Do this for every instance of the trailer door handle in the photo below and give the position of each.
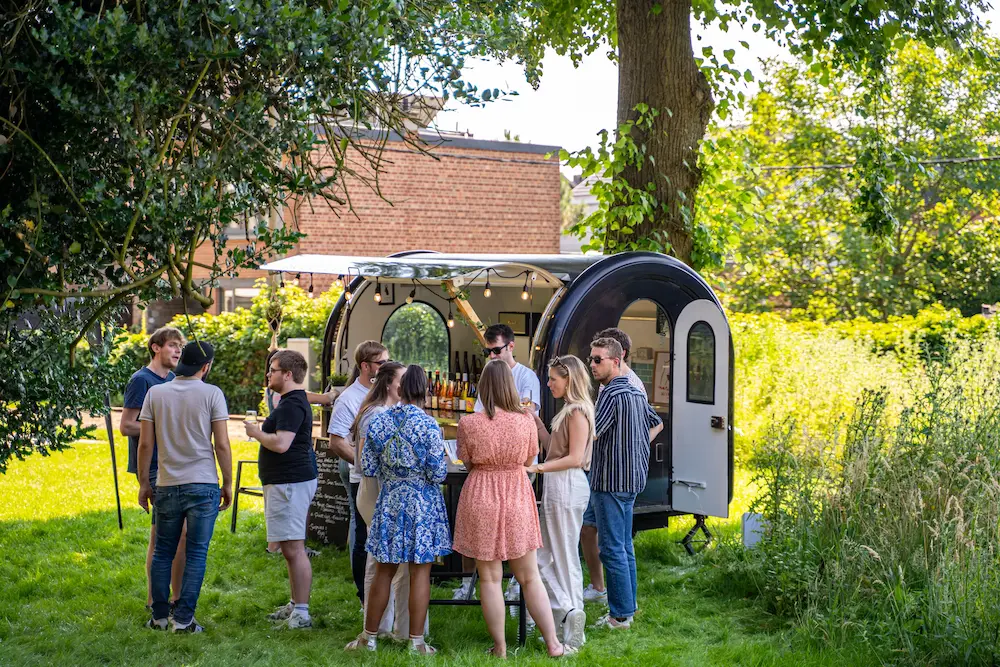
(690, 484)
(719, 423)
(659, 452)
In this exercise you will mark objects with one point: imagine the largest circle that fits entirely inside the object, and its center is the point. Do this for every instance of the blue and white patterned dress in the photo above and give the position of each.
(404, 450)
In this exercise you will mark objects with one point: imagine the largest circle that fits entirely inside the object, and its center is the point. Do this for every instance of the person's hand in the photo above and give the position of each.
(532, 469)
(145, 495)
(226, 497)
(253, 430)
(331, 396)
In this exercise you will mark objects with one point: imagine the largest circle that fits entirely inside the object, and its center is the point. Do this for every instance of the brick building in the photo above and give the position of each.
(467, 195)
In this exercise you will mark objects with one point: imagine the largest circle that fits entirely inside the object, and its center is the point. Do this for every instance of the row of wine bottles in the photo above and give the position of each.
(456, 391)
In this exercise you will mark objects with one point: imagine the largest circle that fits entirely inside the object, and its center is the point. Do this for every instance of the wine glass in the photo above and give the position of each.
(250, 418)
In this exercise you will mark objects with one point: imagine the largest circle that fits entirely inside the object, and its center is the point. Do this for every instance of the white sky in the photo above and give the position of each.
(572, 104)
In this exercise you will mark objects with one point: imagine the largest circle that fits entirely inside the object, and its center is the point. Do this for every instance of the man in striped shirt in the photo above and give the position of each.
(625, 424)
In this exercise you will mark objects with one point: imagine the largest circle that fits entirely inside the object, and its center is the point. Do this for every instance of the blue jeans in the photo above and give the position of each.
(199, 504)
(614, 537)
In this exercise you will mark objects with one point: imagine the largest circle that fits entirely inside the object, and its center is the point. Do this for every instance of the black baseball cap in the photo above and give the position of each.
(195, 355)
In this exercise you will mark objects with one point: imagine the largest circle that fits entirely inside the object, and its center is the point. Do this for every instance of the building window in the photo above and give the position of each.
(701, 364)
(238, 297)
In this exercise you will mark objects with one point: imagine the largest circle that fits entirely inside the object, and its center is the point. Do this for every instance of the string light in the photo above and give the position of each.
(487, 292)
(295, 281)
(341, 281)
(311, 295)
(281, 283)
(378, 292)
(413, 294)
(451, 319)
(524, 292)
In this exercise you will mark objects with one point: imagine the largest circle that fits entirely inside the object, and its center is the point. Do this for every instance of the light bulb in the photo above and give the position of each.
(347, 295)
(413, 294)
(341, 281)
(378, 296)
(487, 292)
(451, 321)
(295, 280)
(524, 295)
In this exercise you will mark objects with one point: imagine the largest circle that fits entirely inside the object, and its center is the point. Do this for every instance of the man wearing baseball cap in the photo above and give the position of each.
(183, 417)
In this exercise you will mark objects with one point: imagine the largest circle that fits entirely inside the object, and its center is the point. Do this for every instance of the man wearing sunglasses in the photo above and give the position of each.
(368, 357)
(624, 425)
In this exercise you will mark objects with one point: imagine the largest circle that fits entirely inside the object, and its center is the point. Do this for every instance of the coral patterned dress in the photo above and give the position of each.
(497, 518)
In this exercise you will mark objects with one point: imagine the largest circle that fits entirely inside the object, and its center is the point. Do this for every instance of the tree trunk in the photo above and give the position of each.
(656, 66)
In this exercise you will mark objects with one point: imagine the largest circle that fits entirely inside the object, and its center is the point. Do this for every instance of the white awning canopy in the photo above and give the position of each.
(552, 269)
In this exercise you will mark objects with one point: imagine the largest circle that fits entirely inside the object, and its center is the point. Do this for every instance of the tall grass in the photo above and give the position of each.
(885, 527)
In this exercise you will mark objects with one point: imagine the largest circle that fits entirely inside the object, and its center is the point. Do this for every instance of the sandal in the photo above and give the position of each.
(423, 649)
(364, 641)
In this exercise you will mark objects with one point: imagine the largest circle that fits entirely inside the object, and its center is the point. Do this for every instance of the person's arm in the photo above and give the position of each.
(147, 435)
(579, 434)
(544, 437)
(340, 426)
(605, 416)
(342, 448)
(224, 455)
(371, 453)
(129, 424)
(278, 442)
(532, 451)
(436, 463)
(462, 448)
(326, 399)
(654, 421)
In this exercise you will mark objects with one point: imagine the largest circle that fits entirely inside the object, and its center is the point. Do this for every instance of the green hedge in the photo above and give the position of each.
(241, 339)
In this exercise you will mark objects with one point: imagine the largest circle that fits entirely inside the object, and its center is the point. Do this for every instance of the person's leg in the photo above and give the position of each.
(358, 554)
(299, 569)
(462, 592)
(169, 522)
(149, 563)
(592, 556)
(491, 594)
(200, 504)
(610, 526)
(630, 549)
(525, 569)
(345, 479)
(420, 595)
(379, 596)
(177, 569)
(385, 626)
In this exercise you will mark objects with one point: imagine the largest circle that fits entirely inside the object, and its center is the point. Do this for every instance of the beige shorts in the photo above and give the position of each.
(286, 507)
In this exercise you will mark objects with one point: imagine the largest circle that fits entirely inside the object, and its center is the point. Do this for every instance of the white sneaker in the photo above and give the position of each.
(299, 621)
(282, 613)
(591, 594)
(462, 592)
(609, 621)
(573, 628)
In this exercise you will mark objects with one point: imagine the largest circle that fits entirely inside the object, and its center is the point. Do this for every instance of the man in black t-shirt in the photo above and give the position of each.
(288, 472)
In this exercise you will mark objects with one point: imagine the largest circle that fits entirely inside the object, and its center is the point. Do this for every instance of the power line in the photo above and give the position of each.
(941, 160)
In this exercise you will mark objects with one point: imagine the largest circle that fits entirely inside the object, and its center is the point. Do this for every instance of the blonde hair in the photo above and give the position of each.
(577, 390)
(497, 390)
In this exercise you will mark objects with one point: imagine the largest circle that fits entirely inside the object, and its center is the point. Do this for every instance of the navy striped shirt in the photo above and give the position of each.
(621, 451)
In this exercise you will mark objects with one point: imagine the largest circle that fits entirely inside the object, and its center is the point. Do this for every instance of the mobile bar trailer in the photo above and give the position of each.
(681, 349)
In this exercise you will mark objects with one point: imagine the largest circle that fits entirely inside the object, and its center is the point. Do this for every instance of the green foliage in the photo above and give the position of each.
(885, 530)
(416, 334)
(133, 134)
(241, 339)
(813, 257)
(571, 213)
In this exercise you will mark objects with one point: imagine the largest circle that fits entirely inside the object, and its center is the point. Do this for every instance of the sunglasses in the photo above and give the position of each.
(487, 351)
(379, 363)
(598, 360)
(275, 370)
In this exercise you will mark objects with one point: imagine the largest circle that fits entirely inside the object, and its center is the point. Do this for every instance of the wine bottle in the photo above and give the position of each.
(430, 390)
(465, 366)
(436, 391)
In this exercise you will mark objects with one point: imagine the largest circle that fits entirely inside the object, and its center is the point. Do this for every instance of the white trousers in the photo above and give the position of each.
(565, 495)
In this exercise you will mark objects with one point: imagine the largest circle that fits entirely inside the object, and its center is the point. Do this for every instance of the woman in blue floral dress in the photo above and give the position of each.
(405, 451)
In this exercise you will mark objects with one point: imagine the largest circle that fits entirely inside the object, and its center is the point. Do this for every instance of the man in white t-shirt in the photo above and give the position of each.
(368, 357)
(500, 345)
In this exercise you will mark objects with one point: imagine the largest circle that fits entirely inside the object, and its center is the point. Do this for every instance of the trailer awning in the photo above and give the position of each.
(553, 269)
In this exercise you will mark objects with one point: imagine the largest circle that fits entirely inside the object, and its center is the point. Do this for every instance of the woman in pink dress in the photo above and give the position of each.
(497, 520)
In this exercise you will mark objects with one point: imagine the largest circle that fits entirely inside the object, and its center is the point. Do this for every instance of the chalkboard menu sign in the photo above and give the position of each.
(330, 512)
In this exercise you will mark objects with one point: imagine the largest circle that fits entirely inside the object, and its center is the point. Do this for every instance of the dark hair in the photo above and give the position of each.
(501, 331)
(293, 362)
(378, 394)
(620, 336)
(497, 390)
(413, 386)
(163, 335)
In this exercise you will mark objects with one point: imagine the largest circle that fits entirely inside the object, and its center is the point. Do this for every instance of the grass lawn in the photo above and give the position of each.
(73, 592)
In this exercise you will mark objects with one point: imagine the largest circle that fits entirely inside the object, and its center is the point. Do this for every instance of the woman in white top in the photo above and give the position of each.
(565, 494)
